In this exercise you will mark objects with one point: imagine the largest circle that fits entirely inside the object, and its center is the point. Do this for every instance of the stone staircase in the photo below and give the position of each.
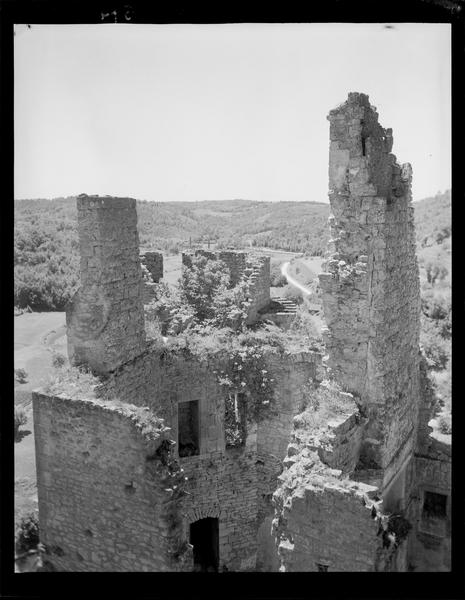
(280, 310)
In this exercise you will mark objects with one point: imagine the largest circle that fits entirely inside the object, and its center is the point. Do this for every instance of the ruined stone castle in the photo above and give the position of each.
(138, 475)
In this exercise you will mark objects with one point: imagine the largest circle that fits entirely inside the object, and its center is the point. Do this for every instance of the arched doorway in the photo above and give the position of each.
(205, 540)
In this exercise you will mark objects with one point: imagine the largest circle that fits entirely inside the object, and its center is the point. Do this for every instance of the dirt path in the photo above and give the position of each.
(35, 334)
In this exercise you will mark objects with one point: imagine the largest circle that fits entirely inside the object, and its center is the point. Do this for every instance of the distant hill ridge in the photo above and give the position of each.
(46, 255)
(294, 226)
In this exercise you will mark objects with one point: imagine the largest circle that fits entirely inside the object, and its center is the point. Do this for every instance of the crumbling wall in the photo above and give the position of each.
(324, 520)
(102, 502)
(252, 269)
(292, 374)
(105, 318)
(258, 289)
(152, 270)
(153, 261)
(370, 288)
(234, 485)
(234, 260)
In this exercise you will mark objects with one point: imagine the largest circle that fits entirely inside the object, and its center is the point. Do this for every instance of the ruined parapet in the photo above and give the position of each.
(371, 292)
(152, 272)
(105, 318)
(153, 261)
(258, 289)
(235, 261)
(251, 270)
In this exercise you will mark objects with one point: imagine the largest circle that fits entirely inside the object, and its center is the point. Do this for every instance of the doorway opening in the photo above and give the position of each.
(205, 540)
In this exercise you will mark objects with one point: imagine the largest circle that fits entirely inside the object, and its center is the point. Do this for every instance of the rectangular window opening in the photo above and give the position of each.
(434, 505)
(363, 146)
(235, 420)
(188, 428)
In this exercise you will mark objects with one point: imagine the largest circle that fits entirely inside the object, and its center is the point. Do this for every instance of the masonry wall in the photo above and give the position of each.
(235, 261)
(259, 288)
(329, 525)
(370, 288)
(105, 318)
(152, 273)
(234, 485)
(101, 505)
(430, 544)
(154, 263)
(323, 518)
(243, 267)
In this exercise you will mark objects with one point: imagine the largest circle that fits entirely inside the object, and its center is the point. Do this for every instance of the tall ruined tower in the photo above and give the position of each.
(105, 319)
(371, 292)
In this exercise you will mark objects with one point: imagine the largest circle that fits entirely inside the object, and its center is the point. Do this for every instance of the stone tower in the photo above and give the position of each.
(371, 292)
(105, 319)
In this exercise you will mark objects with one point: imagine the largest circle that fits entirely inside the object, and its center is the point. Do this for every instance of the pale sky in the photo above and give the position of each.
(211, 112)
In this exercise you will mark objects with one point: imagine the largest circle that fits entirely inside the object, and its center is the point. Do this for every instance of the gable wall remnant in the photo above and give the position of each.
(101, 502)
(371, 294)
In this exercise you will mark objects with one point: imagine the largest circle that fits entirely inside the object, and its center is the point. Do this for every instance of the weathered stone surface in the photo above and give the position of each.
(105, 319)
(303, 493)
(371, 302)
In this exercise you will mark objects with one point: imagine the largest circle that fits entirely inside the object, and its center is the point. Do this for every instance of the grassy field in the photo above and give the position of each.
(35, 335)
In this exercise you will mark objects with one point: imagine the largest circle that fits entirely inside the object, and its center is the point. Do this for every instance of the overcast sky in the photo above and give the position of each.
(194, 112)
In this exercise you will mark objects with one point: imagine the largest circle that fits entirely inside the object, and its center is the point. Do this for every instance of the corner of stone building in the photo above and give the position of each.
(105, 470)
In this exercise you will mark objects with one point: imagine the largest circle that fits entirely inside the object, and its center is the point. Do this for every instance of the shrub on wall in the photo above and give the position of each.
(21, 375)
(28, 534)
(20, 419)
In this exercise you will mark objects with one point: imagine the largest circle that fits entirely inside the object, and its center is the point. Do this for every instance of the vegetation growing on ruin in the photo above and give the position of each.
(46, 255)
(174, 481)
(27, 537)
(73, 382)
(322, 403)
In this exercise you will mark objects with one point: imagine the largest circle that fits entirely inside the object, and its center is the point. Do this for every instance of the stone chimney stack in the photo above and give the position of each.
(371, 291)
(105, 319)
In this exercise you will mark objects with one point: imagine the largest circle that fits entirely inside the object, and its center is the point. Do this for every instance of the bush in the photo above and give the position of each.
(58, 360)
(21, 375)
(445, 424)
(28, 536)
(201, 282)
(20, 419)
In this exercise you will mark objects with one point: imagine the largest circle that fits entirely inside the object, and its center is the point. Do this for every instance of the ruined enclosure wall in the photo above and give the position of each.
(154, 263)
(235, 261)
(292, 375)
(371, 285)
(105, 319)
(329, 525)
(100, 507)
(235, 484)
(243, 267)
(258, 288)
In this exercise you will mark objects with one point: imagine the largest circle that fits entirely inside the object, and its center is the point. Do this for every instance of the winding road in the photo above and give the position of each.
(285, 271)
